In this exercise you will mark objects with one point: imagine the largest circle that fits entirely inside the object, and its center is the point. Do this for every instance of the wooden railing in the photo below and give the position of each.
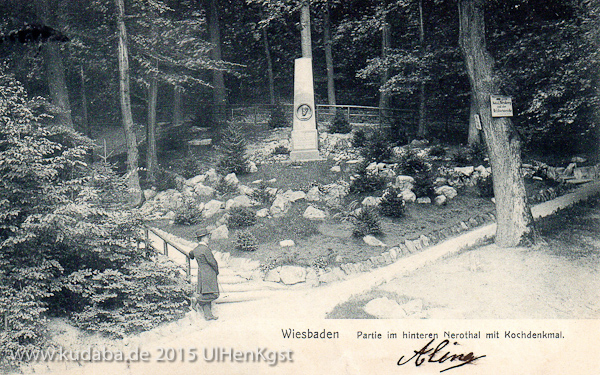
(165, 247)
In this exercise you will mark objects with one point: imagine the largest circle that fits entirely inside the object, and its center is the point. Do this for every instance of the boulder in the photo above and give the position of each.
(231, 179)
(273, 275)
(287, 243)
(312, 213)
(440, 200)
(419, 143)
(272, 190)
(291, 275)
(371, 201)
(483, 171)
(372, 241)
(203, 190)
(314, 194)
(245, 190)
(404, 182)
(384, 308)
(212, 208)
(447, 191)
(336, 168)
(280, 205)
(169, 215)
(169, 199)
(195, 180)
(578, 159)
(372, 168)
(149, 194)
(263, 212)
(293, 196)
(239, 201)
(408, 196)
(424, 200)
(335, 193)
(220, 233)
(212, 175)
(252, 168)
(465, 171)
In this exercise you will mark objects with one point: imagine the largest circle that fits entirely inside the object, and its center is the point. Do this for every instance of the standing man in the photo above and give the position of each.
(207, 289)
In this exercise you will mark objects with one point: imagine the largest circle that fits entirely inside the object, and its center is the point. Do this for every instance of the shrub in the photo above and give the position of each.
(437, 151)
(224, 187)
(366, 221)
(411, 164)
(278, 118)
(423, 186)
(340, 124)
(241, 217)
(281, 150)
(245, 241)
(262, 195)
(233, 151)
(359, 138)
(377, 148)
(366, 182)
(188, 214)
(392, 204)
(190, 167)
(485, 187)
(166, 180)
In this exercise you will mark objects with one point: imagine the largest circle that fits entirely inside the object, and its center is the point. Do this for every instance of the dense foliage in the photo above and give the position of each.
(67, 242)
(233, 151)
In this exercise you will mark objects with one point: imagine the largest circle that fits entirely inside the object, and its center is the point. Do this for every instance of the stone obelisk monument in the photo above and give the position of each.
(305, 140)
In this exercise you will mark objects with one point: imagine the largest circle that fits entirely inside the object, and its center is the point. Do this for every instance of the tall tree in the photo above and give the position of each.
(305, 29)
(55, 71)
(133, 180)
(328, 53)
(422, 127)
(219, 93)
(270, 75)
(386, 44)
(514, 219)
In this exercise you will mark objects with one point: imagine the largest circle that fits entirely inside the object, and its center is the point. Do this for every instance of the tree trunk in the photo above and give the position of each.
(151, 154)
(305, 38)
(385, 75)
(133, 180)
(85, 122)
(474, 133)
(55, 71)
(514, 219)
(177, 110)
(328, 54)
(270, 74)
(219, 94)
(422, 127)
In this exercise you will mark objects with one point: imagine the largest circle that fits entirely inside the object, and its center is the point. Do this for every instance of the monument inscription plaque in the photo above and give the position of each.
(305, 140)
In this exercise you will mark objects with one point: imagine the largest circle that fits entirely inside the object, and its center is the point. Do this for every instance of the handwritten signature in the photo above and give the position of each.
(435, 356)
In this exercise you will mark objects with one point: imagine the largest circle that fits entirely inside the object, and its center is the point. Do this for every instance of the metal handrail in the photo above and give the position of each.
(166, 243)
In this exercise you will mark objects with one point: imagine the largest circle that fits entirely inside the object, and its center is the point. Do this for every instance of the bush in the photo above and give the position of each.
(223, 187)
(359, 138)
(366, 222)
(485, 187)
(340, 124)
(166, 180)
(411, 164)
(190, 167)
(240, 217)
(188, 214)
(281, 150)
(245, 241)
(366, 182)
(423, 186)
(377, 148)
(68, 244)
(262, 195)
(278, 117)
(470, 155)
(437, 151)
(392, 204)
(233, 151)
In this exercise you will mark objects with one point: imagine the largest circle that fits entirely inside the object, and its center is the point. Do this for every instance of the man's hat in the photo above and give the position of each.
(202, 233)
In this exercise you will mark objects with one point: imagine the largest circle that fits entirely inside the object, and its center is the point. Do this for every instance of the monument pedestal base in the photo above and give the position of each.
(305, 146)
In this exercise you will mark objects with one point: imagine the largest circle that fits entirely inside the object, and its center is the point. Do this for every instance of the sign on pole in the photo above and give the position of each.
(501, 106)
